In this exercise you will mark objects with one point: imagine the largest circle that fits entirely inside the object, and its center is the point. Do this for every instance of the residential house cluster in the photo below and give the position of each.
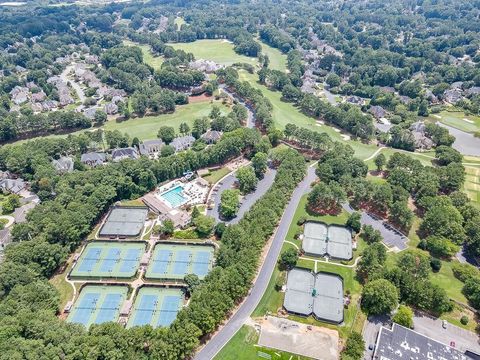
(64, 97)
(456, 92)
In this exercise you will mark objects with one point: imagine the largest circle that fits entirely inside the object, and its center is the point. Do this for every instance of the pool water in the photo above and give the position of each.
(174, 196)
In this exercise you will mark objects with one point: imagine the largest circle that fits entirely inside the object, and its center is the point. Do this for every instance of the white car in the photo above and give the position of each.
(444, 324)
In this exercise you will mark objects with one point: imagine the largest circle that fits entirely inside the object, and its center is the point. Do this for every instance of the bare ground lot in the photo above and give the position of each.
(293, 337)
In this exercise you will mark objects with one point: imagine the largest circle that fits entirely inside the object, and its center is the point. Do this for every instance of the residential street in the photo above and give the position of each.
(243, 313)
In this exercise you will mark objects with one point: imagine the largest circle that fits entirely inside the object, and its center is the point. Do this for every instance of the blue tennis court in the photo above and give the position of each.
(98, 304)
(155, 306)
(109, 259)
(174, 261)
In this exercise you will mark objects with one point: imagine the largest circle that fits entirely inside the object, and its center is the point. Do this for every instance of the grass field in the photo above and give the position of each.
(278, 60)
(459, 120)
(220, 51)
(147, 127)
(179, 21)
(154, 61)
(243, 346)
(216, 175)
(284, 113)
(64, 289)
(446, 280)
(472, 183)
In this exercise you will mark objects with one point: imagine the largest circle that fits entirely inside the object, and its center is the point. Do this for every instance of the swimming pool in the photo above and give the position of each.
(174, 196)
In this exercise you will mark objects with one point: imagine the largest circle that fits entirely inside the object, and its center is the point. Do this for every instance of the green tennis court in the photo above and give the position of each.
(155, 306)
(174, 261)
(109, 260)
(97, 304)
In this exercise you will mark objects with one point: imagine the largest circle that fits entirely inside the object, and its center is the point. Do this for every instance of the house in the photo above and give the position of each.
(38, 97)
(377, 111)
(90, 112)
(182, 143)
(205, 66)
(211, 136)
(430, 96)
(63, 165)
(19, 95)
(93, 159)
(111, 108)
(422, 141)
(405, 99)
(13, 186)
(474, 90)
(124, 153)
(356, 100)
(452, 96)
(151, 147)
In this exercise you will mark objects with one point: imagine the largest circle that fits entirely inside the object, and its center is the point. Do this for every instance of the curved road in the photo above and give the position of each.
(247, 201)
(250, 111)
(217, 342)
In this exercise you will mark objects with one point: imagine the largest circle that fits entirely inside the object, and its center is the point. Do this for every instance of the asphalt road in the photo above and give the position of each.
(251, 301)
(250, 111)
(247, 201)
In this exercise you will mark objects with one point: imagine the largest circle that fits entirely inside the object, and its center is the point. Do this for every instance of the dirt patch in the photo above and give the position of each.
(306, 340)
(199, 98)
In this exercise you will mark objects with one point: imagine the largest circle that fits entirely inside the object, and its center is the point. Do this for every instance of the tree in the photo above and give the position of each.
(193, 282)
(229, 203)
(326, 199)
(371, 263)
(446, 155)
(167, 228)
(167, 150)
(166, 133)
(443, 220)
(333, 80)
(184, 128)
(380, 161)
(416, 263)
(200, 127)
(354, 348)
(204, 225)
(195, 212)
(371, 235)
(379, 297)
(288, 258)
(441, 247)
(259, 164)
(472, 292)
(100, 117)
(404, 316)
(353, 221)
(219, 229)
(247, 181)
(401, 215)
(13, 202)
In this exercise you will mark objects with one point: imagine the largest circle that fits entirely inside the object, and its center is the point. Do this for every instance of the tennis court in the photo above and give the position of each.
(334, 241)
(124, 222)
(174, 261)
(98, 304)
(109, 259)
(155, 306)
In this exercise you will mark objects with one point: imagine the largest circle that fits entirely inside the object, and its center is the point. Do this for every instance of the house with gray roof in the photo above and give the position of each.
(377, 111)
(151, 147)
(183, 142)
(63, 165)
(93, 159)
(452, 96)
(13, 186)
(422, 141)
(111, 108)
(124, 153)
(212, 136)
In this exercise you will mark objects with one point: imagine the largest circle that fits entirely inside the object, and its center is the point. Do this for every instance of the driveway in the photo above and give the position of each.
(370, 332)
(391, 237)
(242, 314)
(247, 201)
(75, 85)
(462, 339)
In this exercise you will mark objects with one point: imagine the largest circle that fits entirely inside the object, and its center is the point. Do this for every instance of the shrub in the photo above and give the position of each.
(464, 320)
(435, 264)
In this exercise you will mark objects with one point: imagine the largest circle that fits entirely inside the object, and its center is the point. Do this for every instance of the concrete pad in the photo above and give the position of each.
(293, 337)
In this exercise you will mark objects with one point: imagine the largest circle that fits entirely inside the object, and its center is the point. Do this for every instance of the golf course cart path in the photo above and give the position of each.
(242, 314)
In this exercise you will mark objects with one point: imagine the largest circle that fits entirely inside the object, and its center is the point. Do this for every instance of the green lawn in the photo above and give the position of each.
(458, 119)
(284, 113)
(147, 127)
(446, 280)
(216, 175)
(179, 21)
(278, 60)
(243, 346)
(64, 289)
(154, 61)
(472, 183)
(220, 51)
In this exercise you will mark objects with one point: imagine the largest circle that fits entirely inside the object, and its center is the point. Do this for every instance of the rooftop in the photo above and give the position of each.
(401, 343)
